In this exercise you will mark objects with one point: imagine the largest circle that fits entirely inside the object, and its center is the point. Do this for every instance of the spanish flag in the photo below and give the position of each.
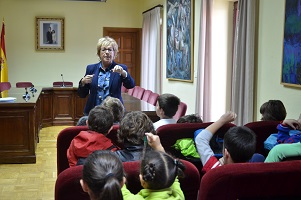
(4, 72)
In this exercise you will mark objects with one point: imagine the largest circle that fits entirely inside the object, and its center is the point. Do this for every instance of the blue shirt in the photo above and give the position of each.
(103, 84)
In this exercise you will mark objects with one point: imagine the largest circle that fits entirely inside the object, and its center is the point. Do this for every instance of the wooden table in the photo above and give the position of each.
(133, 104)
(19, 123)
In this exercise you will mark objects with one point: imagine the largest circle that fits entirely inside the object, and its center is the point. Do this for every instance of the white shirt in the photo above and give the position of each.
(162, 122)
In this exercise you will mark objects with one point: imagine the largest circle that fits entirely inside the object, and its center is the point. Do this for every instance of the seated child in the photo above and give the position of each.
(131, 133)
(193, 118)
(116, 107)
(285, 128)
(273, 110)
(158, 174)
(239, 144)
(114, 104)
(167, 107)
(100, 122)
(103, 176)
(282, 151)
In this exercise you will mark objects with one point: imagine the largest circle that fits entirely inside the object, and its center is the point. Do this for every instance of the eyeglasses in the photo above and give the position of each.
(109, 50)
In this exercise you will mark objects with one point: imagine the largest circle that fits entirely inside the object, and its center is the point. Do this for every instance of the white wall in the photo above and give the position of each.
(84, 22)
(270, 43)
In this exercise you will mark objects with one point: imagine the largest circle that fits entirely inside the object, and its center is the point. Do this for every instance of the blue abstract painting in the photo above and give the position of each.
(179, 40)
(291, 62)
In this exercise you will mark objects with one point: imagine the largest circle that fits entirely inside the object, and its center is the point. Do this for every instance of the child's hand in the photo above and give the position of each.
(228, 117)
(154, 142)
(294, 124)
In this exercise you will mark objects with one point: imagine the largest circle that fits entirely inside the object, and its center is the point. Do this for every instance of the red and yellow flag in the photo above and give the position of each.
(4, 72)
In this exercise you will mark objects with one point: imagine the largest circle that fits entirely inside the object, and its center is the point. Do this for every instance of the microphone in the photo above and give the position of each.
(63, 80)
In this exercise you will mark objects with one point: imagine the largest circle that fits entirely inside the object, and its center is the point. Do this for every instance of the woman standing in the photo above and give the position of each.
(104, 78)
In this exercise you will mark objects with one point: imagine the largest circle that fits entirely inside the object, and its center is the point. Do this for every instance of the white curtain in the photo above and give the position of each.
(203, 89)
(150, 66)
(243, 62)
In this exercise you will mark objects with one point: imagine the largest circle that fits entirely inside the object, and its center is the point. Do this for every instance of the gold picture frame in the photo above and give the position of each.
(50, 33)
(179, 47)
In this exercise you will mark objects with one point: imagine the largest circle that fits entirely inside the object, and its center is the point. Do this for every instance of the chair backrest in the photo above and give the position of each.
(252, 181)
(153, 97)
(138, 92)
(61, 83)
(24, 84)
(66, 136)
(146, 95)
(67, 185)
(262, 129)
(181, 111)
(131, 91)
(4, 86)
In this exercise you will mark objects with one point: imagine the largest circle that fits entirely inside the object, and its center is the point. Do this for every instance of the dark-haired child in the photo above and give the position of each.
(239, 144)
(167, 107)
(103, 176)
(131, 134)
(100, 122)
(158, 174)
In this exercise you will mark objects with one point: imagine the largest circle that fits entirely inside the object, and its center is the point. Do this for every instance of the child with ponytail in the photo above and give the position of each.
(158, 174)
(103, 176)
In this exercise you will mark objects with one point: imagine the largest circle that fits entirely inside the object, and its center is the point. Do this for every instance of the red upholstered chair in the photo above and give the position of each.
(262, 129)
(24, 84)
(153, 97)
(62, 84)
(170, 133)
(68, 187)
(131, 91)
(146, 95)
(252, 181)
(138, 92)
(66, 136)
(4, 86)
(181, 111)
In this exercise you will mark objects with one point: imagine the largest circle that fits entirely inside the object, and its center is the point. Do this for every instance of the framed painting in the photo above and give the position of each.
(291, 59)
(179, 47)
(49, 33)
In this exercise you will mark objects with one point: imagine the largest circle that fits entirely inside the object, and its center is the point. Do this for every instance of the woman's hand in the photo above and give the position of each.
(87, 79)
(119, 70)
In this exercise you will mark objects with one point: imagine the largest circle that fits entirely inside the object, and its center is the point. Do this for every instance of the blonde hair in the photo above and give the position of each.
(105, 42)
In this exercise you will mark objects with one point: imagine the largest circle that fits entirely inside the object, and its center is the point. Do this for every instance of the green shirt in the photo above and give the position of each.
(172, 193)
(281, 151)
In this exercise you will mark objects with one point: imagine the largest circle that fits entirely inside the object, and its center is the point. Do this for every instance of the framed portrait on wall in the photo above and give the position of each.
(291, 59)
(179, 45)
(49, 33)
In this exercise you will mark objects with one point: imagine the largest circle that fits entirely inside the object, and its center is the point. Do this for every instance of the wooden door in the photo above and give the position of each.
(129, 46)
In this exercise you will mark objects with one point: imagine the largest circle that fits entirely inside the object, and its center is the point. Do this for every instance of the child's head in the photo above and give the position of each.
(133, 127)
(116, 107)
(273, 110)
(167, 105)
(103, 175)
(239, 144)
(100, 119)
(193, 118)
(158, 170)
